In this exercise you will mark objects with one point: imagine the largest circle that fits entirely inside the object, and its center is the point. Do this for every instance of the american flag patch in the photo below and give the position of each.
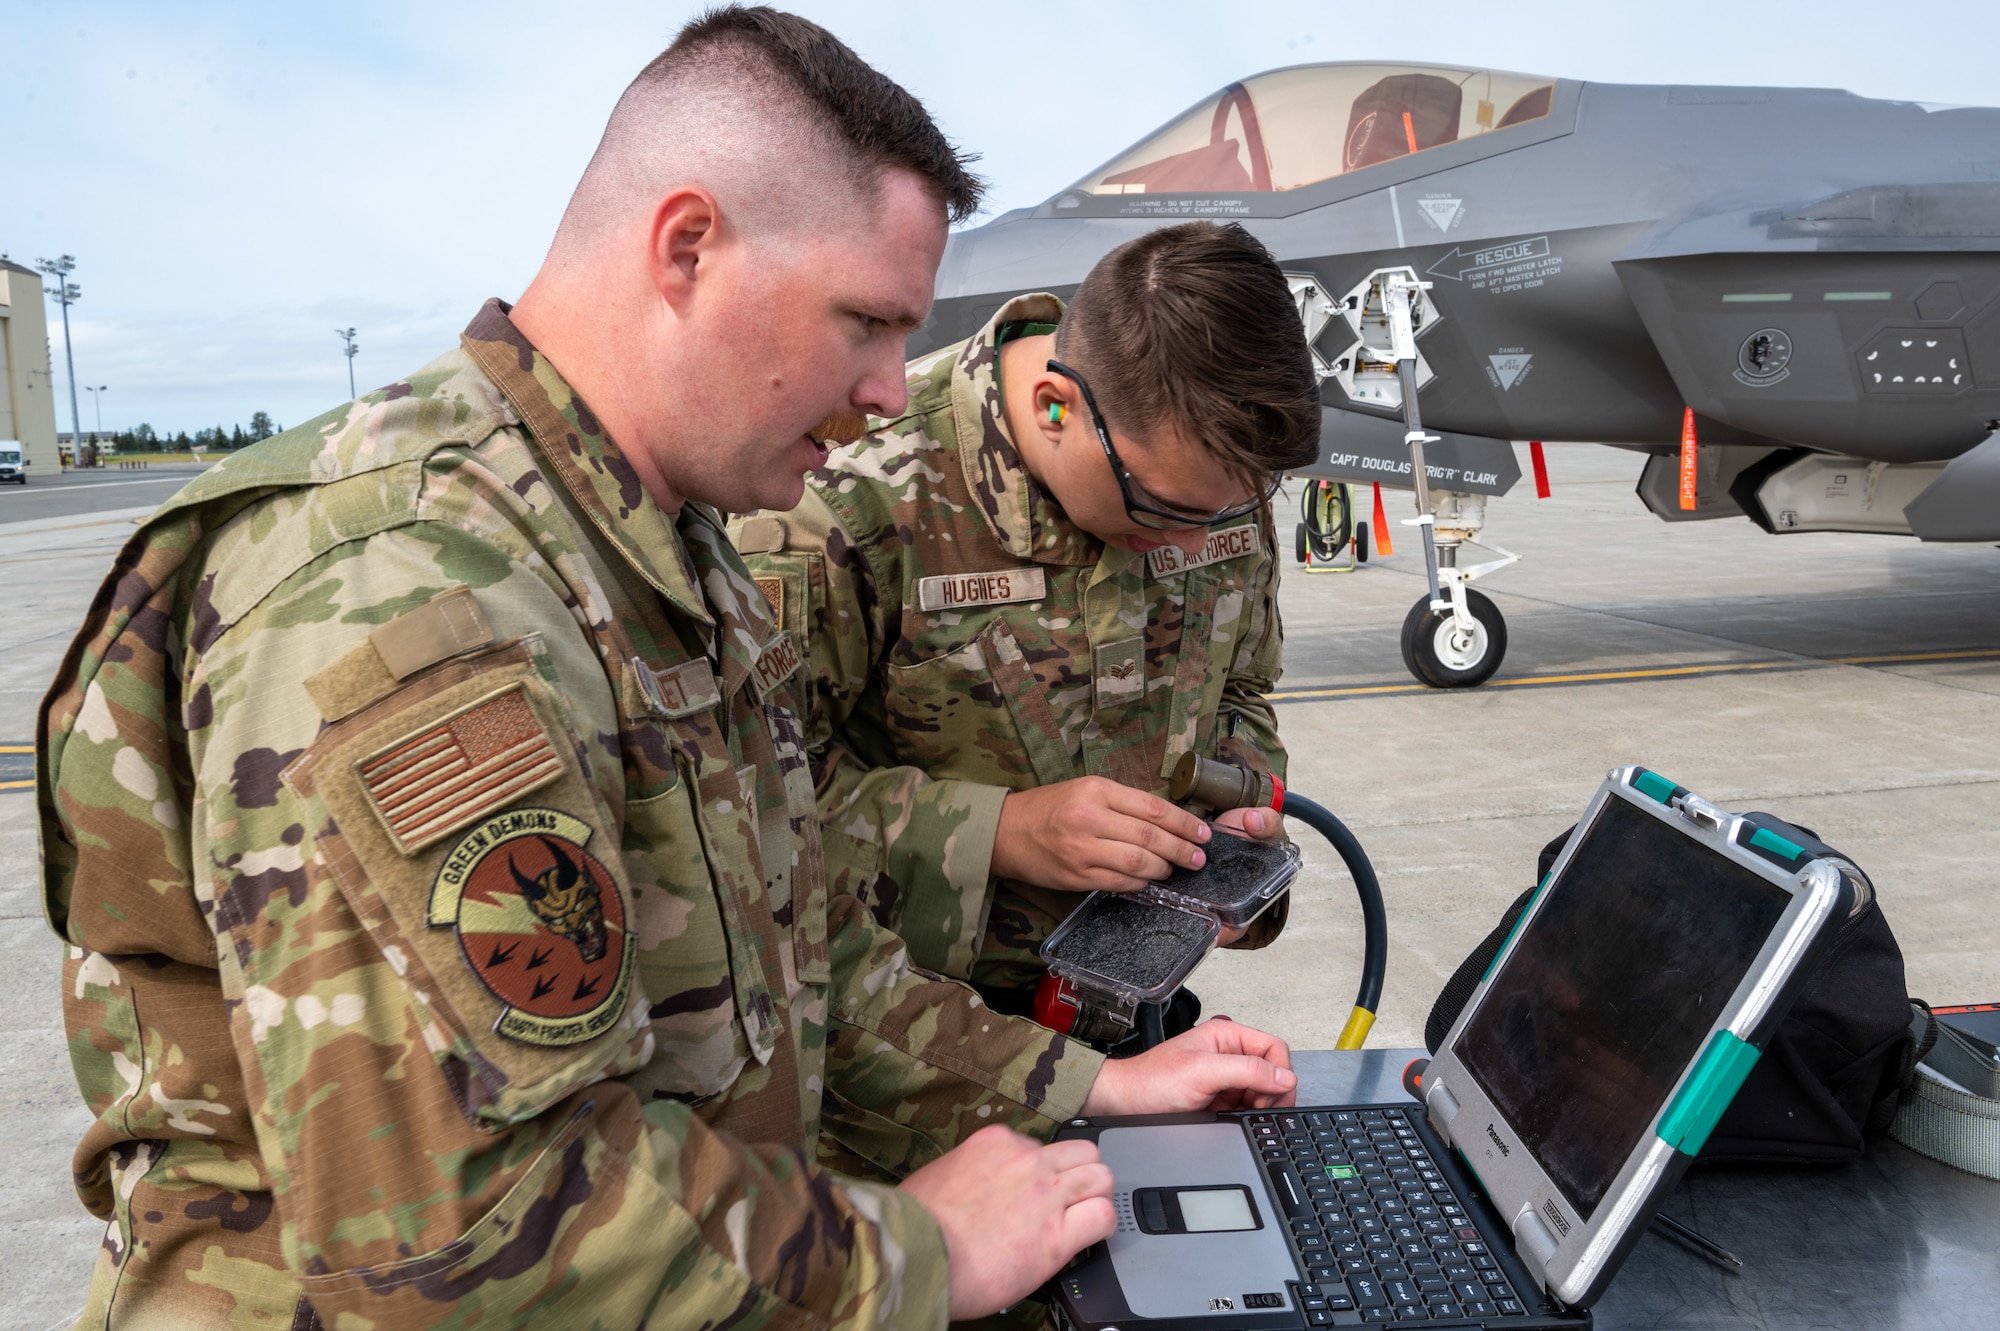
(431, 783)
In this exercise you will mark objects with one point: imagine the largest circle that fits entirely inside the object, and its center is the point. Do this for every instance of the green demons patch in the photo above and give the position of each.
(541, 923)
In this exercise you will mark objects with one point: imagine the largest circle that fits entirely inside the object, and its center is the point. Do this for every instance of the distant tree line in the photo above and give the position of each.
(144, 439)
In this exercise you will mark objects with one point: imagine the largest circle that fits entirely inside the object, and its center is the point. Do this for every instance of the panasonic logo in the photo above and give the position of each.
(1495, 1138)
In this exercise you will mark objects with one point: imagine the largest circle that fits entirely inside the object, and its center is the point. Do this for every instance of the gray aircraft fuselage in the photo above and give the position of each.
(1601, 268)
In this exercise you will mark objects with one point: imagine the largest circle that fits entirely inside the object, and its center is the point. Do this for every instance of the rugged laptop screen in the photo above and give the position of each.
(1610, 991)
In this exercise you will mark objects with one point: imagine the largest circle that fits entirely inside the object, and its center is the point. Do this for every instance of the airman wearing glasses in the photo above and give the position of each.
(1024, 599)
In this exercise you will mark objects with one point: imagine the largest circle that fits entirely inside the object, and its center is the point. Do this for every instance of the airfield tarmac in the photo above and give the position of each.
(1848, 683)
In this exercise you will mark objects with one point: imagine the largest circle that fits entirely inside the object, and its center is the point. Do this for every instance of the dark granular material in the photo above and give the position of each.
(1236, 875)
(1134, 944)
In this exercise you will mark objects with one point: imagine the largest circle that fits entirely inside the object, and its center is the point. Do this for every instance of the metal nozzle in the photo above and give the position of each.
(1203, 782)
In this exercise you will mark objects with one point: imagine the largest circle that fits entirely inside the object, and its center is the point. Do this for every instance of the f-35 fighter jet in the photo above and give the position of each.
(1806, 280)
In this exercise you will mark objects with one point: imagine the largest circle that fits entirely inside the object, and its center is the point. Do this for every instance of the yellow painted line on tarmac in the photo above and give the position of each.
(1522, 681)
(1901, 657)
(10, 759)
(74, 526)
(1307, 695)
(1653, 672)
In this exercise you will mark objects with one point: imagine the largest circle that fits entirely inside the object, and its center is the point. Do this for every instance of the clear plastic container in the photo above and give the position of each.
(1237, 884)
(1139, 947)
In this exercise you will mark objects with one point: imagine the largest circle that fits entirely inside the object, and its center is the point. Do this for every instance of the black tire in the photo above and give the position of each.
(1302, 543)
(1432, 658)
(1360, 542)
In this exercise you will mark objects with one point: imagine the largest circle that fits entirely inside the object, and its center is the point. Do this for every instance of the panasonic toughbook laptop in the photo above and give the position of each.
(1584, 1074)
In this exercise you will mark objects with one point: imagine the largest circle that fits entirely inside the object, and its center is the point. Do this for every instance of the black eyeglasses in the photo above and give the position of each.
(1142, 508)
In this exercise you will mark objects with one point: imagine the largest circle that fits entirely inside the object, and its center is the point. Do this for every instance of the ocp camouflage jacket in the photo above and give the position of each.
(964, 639)
(429, 822)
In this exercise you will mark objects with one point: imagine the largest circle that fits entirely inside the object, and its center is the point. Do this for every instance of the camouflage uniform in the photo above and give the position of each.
(428, 818)
(964, 639)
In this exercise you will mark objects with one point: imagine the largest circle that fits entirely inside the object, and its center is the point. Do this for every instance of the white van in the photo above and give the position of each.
(13, 467)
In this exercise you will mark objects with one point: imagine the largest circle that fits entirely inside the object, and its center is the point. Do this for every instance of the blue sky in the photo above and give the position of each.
(236, 180)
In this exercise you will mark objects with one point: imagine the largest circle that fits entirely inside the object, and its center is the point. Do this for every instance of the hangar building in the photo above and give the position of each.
(27, 388)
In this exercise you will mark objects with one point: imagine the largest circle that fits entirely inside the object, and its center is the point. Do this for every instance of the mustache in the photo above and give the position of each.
(840, 427)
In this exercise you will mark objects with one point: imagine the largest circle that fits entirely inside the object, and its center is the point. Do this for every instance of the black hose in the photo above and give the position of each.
(1326, 542)
(1375, 917)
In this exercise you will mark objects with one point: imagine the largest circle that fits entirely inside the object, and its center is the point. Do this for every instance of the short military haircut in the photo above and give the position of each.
(1193, 327)
(776, 117)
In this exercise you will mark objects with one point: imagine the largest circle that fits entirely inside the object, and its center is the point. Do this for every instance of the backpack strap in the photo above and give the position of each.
(1941, 1119)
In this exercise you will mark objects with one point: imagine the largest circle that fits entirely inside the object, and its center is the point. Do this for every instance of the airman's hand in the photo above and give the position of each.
(1218, 1065)
(1257, 824)
(1012, 1211)
(1091, 834)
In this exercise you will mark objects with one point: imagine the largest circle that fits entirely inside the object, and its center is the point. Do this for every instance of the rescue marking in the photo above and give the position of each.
(1514, 265)
(1002, 587)
(435, 781)
(1229, 543)
(1508, 368)
(1440, 211)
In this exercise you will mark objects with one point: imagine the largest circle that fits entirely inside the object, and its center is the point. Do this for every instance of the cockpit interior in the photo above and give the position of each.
(1269, 133)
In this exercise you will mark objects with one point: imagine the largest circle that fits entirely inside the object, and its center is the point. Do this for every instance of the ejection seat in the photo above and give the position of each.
(1400, 115)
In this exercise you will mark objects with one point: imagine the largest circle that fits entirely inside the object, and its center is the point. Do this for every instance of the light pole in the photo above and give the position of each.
(347, 335)
(66, 293)
(97, 404)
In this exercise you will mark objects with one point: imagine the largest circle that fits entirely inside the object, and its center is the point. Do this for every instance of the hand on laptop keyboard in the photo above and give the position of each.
(1012, 1211)
(1219, 1065)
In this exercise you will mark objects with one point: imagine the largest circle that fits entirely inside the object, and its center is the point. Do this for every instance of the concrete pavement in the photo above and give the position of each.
(1454, 793)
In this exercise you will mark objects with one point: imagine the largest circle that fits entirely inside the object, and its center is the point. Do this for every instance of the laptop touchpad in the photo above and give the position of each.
(1207, 1210)
(1197, 1230)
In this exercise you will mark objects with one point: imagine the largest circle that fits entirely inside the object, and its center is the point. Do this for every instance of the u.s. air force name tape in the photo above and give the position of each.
(1229, 543)
(775, 663)
(1001, 587)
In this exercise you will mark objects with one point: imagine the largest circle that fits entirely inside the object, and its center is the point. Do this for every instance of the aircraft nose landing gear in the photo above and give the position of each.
(1447, 655)
(1453, 638)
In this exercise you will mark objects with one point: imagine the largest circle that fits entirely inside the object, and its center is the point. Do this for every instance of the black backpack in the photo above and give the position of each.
(1840, 1059)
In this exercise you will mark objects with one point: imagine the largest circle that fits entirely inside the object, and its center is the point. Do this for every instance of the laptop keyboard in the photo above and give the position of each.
(1375, 1225)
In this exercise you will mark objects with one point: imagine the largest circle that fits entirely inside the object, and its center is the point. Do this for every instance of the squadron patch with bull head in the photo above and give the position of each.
(540, 922)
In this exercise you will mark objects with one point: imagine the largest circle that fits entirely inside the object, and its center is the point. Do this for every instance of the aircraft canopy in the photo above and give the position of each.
(1297, 126)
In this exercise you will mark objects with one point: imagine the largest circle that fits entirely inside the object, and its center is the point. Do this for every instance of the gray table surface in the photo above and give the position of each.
(1894, 1241)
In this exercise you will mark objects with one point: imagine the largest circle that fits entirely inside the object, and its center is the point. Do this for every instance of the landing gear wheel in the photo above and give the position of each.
(1442, 657)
